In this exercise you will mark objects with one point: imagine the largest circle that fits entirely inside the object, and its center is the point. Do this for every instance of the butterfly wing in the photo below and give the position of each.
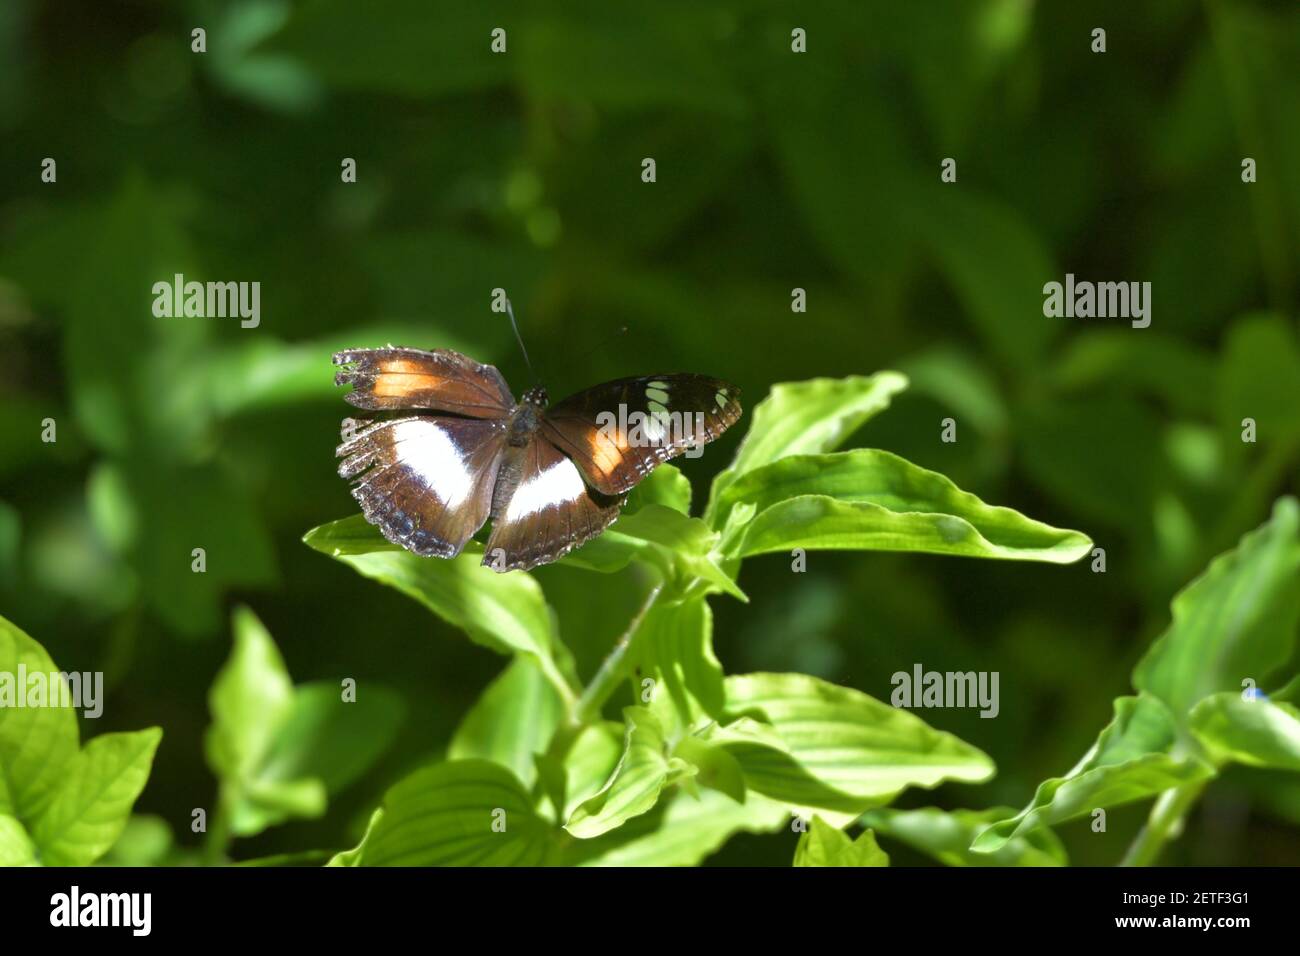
(425, 481)
(618, 432)
(442, 380)
(545, 509)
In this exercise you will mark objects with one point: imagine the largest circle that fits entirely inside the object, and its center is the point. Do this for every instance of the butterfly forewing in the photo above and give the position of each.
(618, 432)
(425, 481)
(442, 380)
(544, 510)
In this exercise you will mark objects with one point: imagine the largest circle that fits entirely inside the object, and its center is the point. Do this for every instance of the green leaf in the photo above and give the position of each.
(328, 739)
(643, 771)
(824, 845)
(259, 803)
(666, 486)
(681, 831)
(459, 813)
(803, 418)
(874, 500)
(1259, 377)
(504, 612)
(352, 535)
(987, 250)
(16, 847)
(1236, 621)
(833, 750)
(1257, 733)
(146, 840)
(511, 721)
(95, 797)
(353, 857)
(36, 743)
(249, 700)
(947, 836)
(1133, 758)
(590, 762)
(675, 642)
(680, 548)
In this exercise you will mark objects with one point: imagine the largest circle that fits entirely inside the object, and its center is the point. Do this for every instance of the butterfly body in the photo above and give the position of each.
(461, 451)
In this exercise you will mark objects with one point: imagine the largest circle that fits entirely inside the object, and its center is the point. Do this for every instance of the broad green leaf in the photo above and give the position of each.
(459, 813)
(1236, 621)
(680, 548)
(1174, 370)
(666, 486)
(16, 847)
(1133, 758)
(643, 771)
(1259, 377)
(352, 857)
(681, 831)
(511, 721)
(504, 612)
(674, 646)
(352, 535)
(36, 743)
(805, 418)
(249, 700)
(947, 835)
(986, 250)
(873, 500)
(1258, 733)
(820, 747)
(94, 798)
(258, 803)
(590, 762)
(326, 738)
(824, 845)
(146, 840)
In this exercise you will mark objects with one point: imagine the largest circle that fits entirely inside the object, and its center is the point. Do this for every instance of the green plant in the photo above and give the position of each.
(537, 774)
(61, 803)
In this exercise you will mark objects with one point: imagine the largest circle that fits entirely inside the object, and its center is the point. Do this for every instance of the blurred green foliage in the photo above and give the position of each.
(775, 171)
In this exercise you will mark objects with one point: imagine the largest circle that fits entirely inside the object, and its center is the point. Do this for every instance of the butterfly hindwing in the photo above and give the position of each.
(543, 509)
(442, 380)
(425, 481)
(619, 431)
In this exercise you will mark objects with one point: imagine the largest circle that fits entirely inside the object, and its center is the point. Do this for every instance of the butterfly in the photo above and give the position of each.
(460, 450)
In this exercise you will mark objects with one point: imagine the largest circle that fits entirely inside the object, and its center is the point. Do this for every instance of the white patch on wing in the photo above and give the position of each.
(432, 454)
(559, 483)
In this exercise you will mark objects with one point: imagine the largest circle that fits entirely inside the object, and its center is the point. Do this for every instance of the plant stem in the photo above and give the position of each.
(1165, 820)
(218, 836)
(611, 669)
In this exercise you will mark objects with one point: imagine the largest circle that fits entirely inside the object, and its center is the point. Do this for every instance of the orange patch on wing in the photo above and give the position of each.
(607, 451)
(399, 378)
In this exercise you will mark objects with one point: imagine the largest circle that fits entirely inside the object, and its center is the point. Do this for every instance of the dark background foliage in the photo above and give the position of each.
(775, 170)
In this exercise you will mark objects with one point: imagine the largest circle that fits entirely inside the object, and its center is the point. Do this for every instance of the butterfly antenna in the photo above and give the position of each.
(519, 338)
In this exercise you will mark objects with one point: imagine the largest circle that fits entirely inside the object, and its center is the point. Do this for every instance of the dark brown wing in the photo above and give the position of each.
(618, 432)
(426, 481)
(545, 511)
(443, 380)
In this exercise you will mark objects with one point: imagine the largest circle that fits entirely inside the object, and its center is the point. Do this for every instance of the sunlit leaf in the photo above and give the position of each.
(824, 845)
(1237, 620)
(947, 835)
(1134, 758)
(460, 813)
(874, 500)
